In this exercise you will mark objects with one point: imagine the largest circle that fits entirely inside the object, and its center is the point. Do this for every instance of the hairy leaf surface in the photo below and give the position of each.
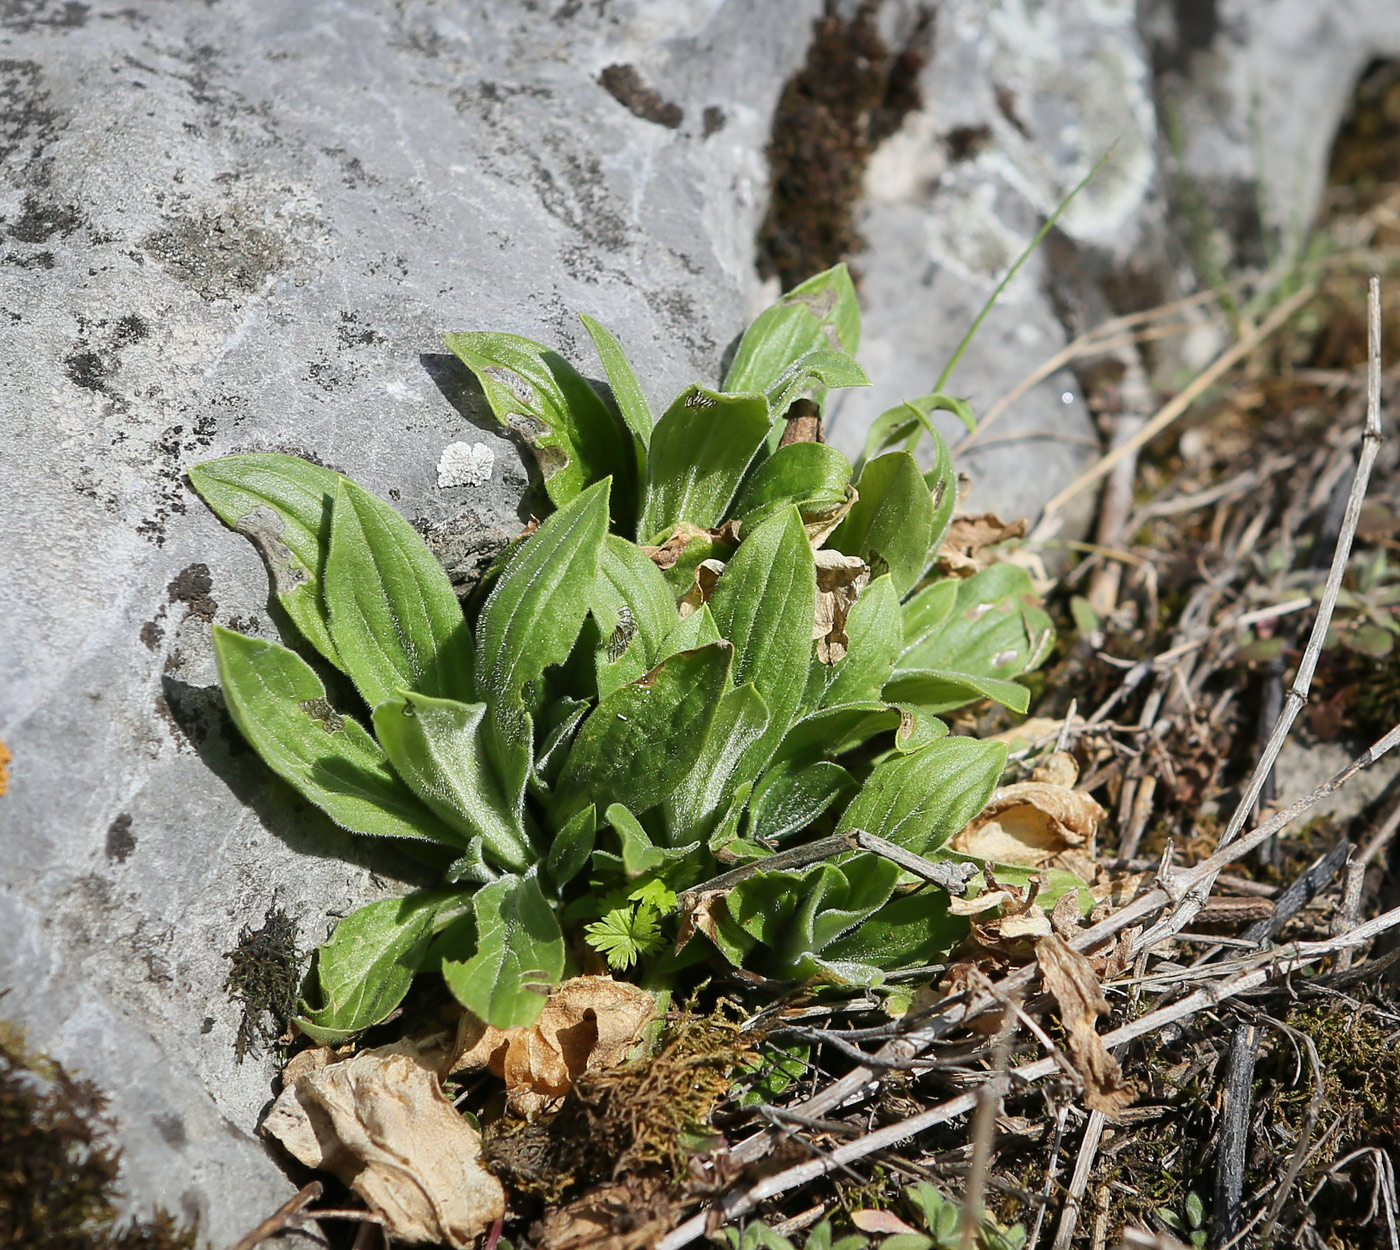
(394, 616)
(282, 504)
(279, 705)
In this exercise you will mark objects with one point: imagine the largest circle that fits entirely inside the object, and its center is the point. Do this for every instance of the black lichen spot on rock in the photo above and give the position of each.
(218, 255)
(26, 121)
(628, 88)
(24, 15)
(712, 121)
(30, 260)
(88, 370)
(120, 840)
(352, 334)
(59, 1163)
(151, 634)
(39, 221)
(192, 586)
(852, 93)
(263, 977)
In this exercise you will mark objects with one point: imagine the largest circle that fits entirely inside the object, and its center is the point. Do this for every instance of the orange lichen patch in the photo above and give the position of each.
(5, 758)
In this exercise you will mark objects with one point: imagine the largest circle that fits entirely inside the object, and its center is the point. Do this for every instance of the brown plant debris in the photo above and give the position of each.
(1036, 821)
(631, 1214)
(852, 93)
(634, 1120)
(380, 1122)
(968, 547)
(588, 1024)
(840, 579)
(1069, 978)
(59, 1164)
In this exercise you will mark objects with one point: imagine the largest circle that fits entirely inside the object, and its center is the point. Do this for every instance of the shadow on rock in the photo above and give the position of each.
(202, 719)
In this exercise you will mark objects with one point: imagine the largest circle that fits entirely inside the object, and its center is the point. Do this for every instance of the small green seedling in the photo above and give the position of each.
(1190, 1223)
(720, 646)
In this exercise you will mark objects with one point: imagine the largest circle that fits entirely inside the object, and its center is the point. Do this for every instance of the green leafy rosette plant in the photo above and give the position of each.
(720, 646)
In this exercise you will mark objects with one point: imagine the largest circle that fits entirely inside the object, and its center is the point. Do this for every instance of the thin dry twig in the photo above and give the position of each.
(286, 1216)
(1299, 955)
(1190, 905)
(1179, 403)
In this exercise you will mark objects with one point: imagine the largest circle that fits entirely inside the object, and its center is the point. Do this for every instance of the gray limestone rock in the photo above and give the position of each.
(241, 225)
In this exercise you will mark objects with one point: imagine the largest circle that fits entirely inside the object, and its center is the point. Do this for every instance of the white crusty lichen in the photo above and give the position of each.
(465, 464)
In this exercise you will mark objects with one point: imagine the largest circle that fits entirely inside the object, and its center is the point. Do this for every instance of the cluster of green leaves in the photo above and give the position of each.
(939, 1217)
(599, 731)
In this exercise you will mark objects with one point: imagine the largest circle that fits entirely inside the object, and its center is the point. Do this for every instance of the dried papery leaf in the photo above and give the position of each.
(820, 522)
(706, 577)
(1070, 980)
(381, 1123)
(987, 901)
(667, 554)
(631, 1214)
(1033, 922)
(1034, 822)
(588, 1024)
(697, 915)
(1030, 731)
(874, 1221)
(840, 579)
(967, 546)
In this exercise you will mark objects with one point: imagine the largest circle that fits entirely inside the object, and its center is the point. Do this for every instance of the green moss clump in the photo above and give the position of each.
(264, 975)
(58, 1166)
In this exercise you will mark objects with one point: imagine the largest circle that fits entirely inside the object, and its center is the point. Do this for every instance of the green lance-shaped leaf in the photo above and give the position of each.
(532, 616)
(834, 730)
(966, 640)
(875, 633)
(279, 705)
(394, 617)
(817, 371)
(283, 505)
(942, 480)
(365, 970)
(696, 630)
(437, 747)
(919, 800)
(890, 526)
(519, 954)
(699, 453)
(791, 795)
(805, 474)
(564, 421)
(695, 807)
(910, 931)
(764, 604)
(639, 854)
(641, 741)
(572, 846)
(912, 420)
(531, 620)
(627, 391)
(937, 691)
(820, 315)
(635, 611)
(799, 914)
